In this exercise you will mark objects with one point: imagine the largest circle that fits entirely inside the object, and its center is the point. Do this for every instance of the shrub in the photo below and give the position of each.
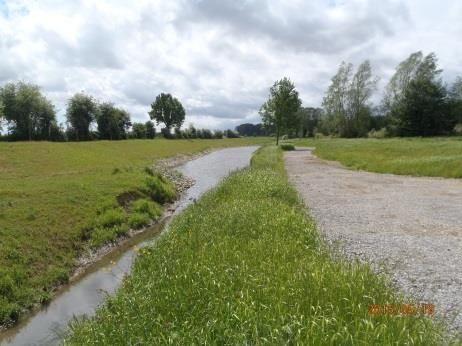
(138, 220)
(110, 218)
(166, 133)
(231, 134)
(287, 147)
(207, 134)
(178, 133)
(382, 133)
(146, 206)
(159, 189)
(218, 134)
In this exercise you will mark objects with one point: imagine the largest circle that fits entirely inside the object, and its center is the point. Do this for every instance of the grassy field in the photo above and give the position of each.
(433, 157)
(245, 266)
(58, 198)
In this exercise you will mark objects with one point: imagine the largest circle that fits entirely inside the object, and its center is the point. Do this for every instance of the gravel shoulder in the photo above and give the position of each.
(408, 227)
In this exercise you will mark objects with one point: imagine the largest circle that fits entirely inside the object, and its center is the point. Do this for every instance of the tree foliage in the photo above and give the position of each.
(279, 111)
(150, 130)
(168, 110)
(455, 100)
(308, 118)
(248, 129)
(346, 103)
(139, 130)
(81, 113)
(416, 99)
(113, 122)
(29, 114)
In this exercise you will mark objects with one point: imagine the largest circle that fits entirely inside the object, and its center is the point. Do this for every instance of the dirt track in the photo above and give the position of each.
(410, 227)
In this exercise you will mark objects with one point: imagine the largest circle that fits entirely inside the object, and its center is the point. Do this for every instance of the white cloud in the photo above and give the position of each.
(218, 57)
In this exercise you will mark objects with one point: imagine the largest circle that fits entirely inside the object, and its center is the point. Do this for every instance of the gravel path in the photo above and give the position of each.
(410, 227)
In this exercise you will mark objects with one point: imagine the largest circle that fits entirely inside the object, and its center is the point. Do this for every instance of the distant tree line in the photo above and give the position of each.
(26, 114)
(416, 102)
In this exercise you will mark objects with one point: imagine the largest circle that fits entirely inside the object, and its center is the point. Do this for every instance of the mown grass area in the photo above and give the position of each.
(245, 266)
(433, 157)
(56, 199)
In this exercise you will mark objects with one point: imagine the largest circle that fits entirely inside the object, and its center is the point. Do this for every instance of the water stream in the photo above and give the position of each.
(48, 325)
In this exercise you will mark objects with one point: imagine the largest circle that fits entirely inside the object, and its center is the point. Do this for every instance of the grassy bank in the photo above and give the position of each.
(433, 157)
(58, 198)
(244, 265)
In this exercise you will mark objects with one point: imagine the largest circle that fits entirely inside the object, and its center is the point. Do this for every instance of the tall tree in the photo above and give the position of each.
(139, 130)
(308, 118)
(168, 110)
(346, 103)
(281, 107)
(29, 114)
(399, 82)
(150, 130)
(81, 113)
(455, 99)
(113, 122)
(416, 99)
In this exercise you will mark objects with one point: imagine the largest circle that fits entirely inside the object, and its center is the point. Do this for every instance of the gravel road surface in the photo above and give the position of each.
(409, 227)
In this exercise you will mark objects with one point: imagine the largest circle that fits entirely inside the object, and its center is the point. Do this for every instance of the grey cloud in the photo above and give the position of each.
(303, 28)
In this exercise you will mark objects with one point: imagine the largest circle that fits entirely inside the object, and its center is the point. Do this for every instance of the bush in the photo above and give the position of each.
(382, 133)
(166, 133)
(207, 134)
(458, 129)
(231, 134)
(287, 147)
(178, 133)
(138, 220)
(218, 134)
(146, 206)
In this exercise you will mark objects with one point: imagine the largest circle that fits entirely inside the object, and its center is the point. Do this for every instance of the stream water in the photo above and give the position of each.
(48, 325)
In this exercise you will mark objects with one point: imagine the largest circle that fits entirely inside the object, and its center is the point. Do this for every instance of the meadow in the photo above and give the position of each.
(59, 199)
(433, 157)
(245, 265)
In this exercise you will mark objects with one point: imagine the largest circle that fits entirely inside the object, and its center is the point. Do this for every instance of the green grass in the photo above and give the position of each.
(433, 157)
(245, 266)
(58, 198)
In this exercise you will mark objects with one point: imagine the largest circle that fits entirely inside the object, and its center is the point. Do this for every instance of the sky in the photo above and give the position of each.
(218, 57)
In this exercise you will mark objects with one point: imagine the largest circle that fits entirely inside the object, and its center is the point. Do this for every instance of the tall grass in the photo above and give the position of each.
(245, 266)
(433, 157)
(50, 192)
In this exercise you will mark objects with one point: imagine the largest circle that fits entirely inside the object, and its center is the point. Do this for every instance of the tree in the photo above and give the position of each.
(248, 129)
(308, 118)
(416, 99)
(405, 72)
(455, 100)
(168, 110)
(139, 130)
(113, 122)
(346, 103)
(81, 113)
(150, 130)
(29, 114)
(280, 108)
(422, 111)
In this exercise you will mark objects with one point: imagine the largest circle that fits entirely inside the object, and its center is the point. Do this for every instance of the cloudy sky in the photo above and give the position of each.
(219, 57)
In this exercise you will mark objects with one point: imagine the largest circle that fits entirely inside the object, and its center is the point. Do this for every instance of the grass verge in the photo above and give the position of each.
(245, 265)
(432, 157)
(56, 199)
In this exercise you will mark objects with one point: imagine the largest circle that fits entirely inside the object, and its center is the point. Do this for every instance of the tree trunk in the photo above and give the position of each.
(277, 135)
